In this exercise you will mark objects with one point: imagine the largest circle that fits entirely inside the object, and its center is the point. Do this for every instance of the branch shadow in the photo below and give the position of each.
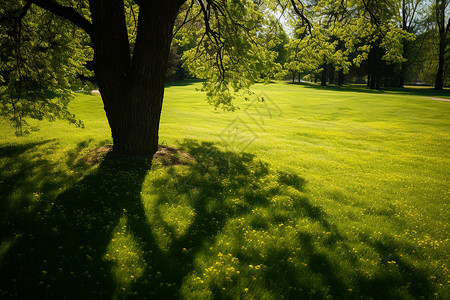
(400, 277)
(124, 232)
(183, 82)
(21, 185)
(61, 254)
(358, 88)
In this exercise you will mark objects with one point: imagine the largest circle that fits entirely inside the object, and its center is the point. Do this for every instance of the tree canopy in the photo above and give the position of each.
(41, 59)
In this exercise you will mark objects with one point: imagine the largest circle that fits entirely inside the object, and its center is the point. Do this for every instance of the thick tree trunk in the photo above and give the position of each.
(132, 89)
(439, 83)
(293, 76)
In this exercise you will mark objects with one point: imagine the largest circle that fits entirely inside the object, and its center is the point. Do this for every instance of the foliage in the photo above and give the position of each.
(343, 33)
(424, 58)
(423, 53)
(233, 50)
(41, 57)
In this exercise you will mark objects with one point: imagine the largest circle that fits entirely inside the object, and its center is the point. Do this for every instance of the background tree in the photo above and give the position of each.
(317, 46)
(443, 27)
(409, 13)
(348, 32)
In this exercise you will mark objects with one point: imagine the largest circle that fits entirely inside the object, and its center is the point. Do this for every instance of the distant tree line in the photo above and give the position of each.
(376, 42)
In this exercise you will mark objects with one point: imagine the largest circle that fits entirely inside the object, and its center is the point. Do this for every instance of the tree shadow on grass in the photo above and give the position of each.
(224, 227)
(183, 82)
(23, 182)
(17, 168)
(59, 254)
(358, 88)
(400, 279)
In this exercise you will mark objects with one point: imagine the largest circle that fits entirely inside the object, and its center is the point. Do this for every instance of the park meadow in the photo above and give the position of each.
(304, 192)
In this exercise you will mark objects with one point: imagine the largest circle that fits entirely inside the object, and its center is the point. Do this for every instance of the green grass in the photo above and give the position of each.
(315, 193)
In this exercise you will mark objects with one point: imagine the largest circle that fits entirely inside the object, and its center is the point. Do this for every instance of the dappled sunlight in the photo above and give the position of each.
(29, 181)
(6, 244)
(62, 248)
(126, 256)
(226, 225)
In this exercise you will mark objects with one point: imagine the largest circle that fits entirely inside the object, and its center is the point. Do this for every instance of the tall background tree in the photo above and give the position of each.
(409, 13)
(442, 20)
(362, 33)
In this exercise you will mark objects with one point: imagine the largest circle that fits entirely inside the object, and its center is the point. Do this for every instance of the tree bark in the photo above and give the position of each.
(132, 89)
(443, 28)
(439, 83)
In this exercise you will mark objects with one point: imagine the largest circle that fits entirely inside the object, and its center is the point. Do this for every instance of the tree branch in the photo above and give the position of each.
(65, 12)
(212, 35)
(371, 13)
(185, 20)
(281, 15)
(15, 15)
(301, 14)
(23, 12)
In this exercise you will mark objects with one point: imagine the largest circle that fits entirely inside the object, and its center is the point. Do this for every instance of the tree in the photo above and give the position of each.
(130, 62)
(131, 84)
(318, 45)
(408, 14)
(383, 37)
(443, 27)
(342, 33)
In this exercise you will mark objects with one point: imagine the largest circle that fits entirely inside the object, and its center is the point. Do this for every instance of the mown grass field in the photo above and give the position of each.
(315, 193)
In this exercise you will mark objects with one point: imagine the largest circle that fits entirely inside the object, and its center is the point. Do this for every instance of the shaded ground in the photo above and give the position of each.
(224, 227)
(428, 92)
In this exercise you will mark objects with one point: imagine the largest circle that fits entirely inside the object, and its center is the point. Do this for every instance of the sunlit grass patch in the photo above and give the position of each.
(126, 255)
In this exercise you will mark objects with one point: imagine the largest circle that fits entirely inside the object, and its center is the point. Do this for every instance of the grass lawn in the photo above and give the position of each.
(313, 193)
